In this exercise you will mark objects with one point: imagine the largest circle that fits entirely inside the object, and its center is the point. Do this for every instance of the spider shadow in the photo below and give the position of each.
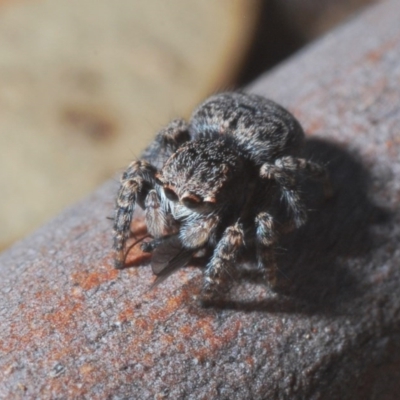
(314, 274)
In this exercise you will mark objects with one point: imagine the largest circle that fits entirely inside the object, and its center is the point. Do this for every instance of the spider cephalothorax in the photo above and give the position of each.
(228, 179)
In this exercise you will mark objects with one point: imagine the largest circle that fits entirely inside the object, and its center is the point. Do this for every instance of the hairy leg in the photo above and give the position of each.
(290, 188)
(135, 184)
(199, 232)
(159, 222)
(266, 237)
(167, 141)
(223, 259)
(138, 180)
(312, 169)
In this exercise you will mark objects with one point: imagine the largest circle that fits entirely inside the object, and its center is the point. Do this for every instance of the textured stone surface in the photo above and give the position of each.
(311, 18)
(71, 326)
(286, 26)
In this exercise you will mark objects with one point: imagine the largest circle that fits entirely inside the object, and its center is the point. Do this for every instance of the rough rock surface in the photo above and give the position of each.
(73, 327)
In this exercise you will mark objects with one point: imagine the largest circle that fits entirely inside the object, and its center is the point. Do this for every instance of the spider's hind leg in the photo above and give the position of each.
(285, 172)
(167, 141)
(311, 169)
(288, 184)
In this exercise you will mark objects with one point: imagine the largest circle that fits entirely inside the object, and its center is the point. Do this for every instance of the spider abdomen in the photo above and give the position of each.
(264, 129)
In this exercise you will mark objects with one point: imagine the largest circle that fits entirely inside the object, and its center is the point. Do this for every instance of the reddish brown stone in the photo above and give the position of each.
(73, 327)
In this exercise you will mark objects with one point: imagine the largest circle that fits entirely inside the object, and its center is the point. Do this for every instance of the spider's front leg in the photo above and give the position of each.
(223, 260)
(136, 182)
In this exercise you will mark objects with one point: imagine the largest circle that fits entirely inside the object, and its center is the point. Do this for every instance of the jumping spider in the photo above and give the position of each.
(226, 182)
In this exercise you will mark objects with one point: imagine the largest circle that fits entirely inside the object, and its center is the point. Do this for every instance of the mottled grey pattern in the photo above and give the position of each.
(219, 187)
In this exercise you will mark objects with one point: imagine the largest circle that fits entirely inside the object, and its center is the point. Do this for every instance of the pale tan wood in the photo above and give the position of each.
(85, 85)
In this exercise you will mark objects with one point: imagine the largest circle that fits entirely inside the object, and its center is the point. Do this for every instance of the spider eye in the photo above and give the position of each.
(170, 194)
(191, 201)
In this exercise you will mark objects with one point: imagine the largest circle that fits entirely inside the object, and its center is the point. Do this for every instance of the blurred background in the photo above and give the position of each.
(86, 84)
